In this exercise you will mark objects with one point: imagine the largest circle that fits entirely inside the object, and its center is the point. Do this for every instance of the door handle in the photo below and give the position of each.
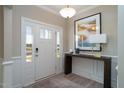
(36, 50)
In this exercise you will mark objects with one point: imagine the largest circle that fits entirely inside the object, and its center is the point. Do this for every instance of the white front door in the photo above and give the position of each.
(38, 51)
(45, 46)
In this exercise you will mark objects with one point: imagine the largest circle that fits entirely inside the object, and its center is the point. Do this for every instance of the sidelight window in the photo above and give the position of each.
(29, 42)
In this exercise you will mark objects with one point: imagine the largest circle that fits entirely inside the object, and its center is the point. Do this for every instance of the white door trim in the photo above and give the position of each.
(40, 22)
(7, 33)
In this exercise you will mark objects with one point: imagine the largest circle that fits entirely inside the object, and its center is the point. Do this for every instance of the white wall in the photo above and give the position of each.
(17, 79)
(120, 46)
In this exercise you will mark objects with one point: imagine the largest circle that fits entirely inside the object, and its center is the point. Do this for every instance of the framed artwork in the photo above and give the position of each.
(85, 27)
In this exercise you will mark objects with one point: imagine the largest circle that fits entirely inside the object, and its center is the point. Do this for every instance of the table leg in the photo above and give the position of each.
(68, 65)
(107, 74)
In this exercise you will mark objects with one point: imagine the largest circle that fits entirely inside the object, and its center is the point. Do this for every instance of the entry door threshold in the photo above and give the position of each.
(45, 77)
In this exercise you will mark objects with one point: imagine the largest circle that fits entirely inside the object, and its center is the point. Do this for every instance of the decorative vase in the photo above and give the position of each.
(77, 51)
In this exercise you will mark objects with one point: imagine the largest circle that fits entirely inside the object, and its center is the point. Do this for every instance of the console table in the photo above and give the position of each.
(107, 66)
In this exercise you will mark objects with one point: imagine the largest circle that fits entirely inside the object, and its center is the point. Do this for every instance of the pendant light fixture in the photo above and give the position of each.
(67, 12)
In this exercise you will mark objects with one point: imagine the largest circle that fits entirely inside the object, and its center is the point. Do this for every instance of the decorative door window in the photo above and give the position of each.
(45, 34)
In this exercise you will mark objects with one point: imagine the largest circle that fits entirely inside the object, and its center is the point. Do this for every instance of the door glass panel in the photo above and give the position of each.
(49, 34)
(45, 34)
(58, 44)
(29, 42)
(42, 33)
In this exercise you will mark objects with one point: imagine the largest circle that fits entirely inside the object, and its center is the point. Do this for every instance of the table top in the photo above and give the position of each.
(88, 56)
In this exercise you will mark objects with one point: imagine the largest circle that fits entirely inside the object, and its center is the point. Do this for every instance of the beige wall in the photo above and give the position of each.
(1, 32)
(35, 13)
(109, 26)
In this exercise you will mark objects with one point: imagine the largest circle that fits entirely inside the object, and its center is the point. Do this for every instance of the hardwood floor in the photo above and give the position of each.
(66, 81)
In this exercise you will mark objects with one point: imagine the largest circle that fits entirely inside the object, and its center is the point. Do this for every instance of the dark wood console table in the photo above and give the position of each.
(107, 66)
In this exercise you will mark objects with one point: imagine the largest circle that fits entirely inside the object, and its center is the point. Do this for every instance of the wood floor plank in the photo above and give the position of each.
(66, 81)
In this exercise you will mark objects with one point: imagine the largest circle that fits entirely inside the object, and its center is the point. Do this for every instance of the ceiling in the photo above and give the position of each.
(56, 8)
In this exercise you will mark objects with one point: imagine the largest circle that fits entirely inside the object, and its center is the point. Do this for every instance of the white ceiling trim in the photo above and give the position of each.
(86, 9)
(57, 13)
(48, 9)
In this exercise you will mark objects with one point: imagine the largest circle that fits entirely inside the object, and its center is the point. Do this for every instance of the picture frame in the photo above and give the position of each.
(85, 27)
